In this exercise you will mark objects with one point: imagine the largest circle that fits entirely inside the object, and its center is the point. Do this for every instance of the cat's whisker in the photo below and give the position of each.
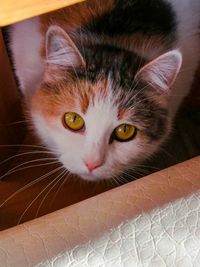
(131, 177)
(121, 180)
(145, 166)
(36, 165)
(17, 122)
(116, 180)
(27, 146)
(31, 161)
(141, 170)
(126, 179)
(61, 185)
(143, 100)
(141, 90)
(17, 169)
(134, 176)
(25, 154)
(54, 182)
(136, 104)
(121, 177)
(109, 181)
(58, 178)
(133, 98)
(30, 184)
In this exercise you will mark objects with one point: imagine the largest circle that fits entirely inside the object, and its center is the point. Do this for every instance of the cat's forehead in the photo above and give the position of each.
(89, 94)
(103, 97)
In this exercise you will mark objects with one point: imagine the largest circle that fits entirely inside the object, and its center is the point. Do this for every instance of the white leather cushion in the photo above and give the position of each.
(168, 236)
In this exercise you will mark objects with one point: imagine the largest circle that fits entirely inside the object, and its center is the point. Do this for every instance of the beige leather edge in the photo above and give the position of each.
(45, 238)
(13, 11)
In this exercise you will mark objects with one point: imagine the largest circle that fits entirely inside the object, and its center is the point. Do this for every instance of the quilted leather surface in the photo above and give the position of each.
(149, 222)
(164, 237)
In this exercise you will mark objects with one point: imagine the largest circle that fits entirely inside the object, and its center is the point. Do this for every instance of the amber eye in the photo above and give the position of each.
(73, 121)
(124, 132)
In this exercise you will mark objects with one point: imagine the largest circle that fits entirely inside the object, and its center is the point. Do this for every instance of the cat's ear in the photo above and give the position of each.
(162, 71)
(61, 50)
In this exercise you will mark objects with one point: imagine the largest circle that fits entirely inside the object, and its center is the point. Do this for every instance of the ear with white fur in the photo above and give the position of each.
(60, 49)
(162, 71)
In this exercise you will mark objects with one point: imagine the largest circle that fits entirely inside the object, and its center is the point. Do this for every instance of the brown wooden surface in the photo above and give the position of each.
(12, 11)
(10, 111)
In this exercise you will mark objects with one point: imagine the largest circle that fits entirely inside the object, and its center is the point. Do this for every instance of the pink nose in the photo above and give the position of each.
(92, 165)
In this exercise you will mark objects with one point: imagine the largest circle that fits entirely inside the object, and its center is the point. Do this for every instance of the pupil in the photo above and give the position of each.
(74, 118)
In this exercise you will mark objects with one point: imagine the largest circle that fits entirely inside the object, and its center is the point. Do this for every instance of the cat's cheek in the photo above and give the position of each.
(43, 130)
(70, 160)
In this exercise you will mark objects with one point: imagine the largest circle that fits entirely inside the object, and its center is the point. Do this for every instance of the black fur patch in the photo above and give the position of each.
(104, 60)
(136, 16)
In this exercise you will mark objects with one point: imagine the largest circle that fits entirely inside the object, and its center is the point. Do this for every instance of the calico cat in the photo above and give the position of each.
(103, 79)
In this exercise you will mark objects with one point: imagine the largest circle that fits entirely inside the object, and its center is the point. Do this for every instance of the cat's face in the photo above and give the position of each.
(102, 114)
(98, 134)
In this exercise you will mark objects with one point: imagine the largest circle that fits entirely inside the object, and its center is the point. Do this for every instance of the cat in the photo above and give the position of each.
(103, 79)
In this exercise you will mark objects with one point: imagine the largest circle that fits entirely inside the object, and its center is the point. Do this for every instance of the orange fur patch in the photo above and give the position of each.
(51, 104)
(54, 101)
(87, 96)
(122, 114)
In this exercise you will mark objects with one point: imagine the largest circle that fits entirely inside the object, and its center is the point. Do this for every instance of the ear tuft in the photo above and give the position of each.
(162, 71)
(60, 49)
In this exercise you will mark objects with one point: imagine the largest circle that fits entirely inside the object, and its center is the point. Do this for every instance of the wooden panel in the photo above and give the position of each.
(10, 111)
(13, 11)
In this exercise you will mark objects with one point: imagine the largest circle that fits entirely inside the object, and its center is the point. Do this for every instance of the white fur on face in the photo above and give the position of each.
(100, 119)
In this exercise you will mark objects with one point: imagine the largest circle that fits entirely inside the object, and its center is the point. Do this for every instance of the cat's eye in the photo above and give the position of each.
(73, 121)
(124, 132)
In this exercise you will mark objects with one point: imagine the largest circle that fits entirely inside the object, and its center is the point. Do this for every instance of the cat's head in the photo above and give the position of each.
(104, 109)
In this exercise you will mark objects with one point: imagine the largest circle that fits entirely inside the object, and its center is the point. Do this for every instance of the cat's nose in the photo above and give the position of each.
(92, 165)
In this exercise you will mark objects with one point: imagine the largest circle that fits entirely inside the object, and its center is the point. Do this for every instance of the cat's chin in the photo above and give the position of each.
(92, 177)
